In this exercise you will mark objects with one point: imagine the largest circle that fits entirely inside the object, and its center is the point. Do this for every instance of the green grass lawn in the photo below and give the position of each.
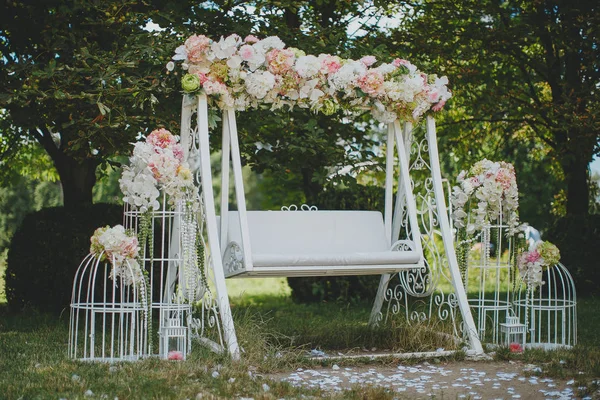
(274, 333)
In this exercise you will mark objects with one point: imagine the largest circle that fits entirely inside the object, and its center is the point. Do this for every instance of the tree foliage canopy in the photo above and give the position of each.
(525, 74)
(82, 78)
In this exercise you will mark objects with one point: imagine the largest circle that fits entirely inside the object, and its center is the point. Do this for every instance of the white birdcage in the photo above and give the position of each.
(108, 320)
(489, 278)
(550, 310)
(175, 281)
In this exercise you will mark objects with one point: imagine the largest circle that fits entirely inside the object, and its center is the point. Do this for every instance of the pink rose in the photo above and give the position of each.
(515, 348)
(178, 152)
(247, 52)
(251, 39)
(175, 356)
(439, 105)
(215, 87)
(368, 60)
(130, 248)
(399, 61)
(504, 178)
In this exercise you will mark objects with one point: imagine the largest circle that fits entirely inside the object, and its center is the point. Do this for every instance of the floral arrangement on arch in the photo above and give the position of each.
(244, 73)
(534, 262)
(157, 165)
(120, 248)
(488, 190)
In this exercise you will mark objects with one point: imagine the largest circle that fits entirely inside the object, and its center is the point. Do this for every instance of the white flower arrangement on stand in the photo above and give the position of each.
(485, 212)
(245, 73)
(493, 187)
(162, 203)
(157, 165)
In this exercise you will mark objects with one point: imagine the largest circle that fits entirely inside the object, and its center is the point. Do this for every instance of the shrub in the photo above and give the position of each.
(341, 288)
(578, 239)
(46, 250)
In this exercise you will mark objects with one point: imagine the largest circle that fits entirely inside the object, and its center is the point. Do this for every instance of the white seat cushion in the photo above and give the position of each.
(318, 238)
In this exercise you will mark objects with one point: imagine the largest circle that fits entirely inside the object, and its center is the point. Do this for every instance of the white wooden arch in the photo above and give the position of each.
(313, 243)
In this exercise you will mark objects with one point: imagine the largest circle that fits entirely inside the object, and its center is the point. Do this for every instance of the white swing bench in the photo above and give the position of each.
(315, 242)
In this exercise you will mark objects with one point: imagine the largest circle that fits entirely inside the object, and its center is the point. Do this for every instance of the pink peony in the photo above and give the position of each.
(280, 61)
(196, 46)
(161, 138)
(532, 256)
(368, 60)
(251, 39)
(175, 356)
(330, 64)
(371, 83)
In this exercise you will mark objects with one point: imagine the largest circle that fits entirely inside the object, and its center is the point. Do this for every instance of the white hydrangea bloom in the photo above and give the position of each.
(271, 42)
(259, 83)
(307, 66)
(346, 76)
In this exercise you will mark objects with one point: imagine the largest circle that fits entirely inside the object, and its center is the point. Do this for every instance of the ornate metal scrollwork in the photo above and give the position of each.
(233, 259)
(303, 207)
(419, 294)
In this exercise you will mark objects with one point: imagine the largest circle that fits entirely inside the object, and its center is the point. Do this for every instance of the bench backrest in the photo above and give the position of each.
(314, 232)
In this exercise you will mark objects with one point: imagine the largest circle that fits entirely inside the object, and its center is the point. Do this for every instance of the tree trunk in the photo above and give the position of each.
(310, 188)
(78, 179)
(576, 173)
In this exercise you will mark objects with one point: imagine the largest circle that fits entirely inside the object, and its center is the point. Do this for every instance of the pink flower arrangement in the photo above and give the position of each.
(532, 263)
(251, 39)
(121, 249)
(246, 73)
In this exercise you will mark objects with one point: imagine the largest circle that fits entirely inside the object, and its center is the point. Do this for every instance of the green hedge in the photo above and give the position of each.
(46, 250)
(342, 288)
(578, 239)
